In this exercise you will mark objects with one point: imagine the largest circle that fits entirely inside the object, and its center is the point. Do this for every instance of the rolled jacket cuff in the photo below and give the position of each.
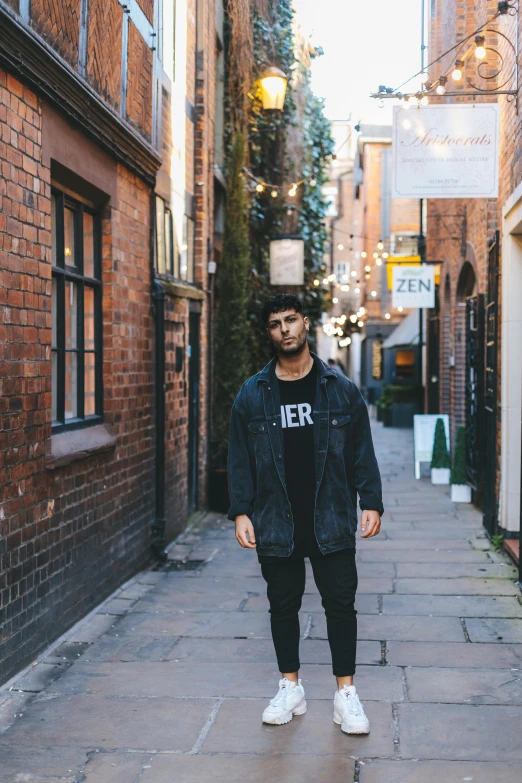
(371, 503)
(237, 509)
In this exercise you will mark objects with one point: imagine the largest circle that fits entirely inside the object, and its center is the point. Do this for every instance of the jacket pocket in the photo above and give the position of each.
(338, 431)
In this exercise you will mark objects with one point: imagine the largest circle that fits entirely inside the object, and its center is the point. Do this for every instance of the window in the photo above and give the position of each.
(187, 251)
(342, 270)
(166, 254)
(405, 244)
(405, 364)
(76, 313)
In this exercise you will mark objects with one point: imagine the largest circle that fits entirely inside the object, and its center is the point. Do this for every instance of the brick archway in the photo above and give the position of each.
(466, 287)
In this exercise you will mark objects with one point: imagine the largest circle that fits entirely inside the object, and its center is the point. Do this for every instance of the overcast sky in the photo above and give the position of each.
(366, 43)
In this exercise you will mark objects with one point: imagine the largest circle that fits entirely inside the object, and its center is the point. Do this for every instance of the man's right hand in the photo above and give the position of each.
(244, 528)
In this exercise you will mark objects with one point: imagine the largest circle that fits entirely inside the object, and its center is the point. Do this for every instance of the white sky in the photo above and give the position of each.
(366, 43)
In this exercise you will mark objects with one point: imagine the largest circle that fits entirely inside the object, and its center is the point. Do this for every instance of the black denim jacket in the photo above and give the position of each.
(345, 462)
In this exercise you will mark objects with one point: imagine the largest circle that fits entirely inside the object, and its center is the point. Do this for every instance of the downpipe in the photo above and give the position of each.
(159, 524)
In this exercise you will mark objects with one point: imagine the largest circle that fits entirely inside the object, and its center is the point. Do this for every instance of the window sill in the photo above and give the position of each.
(183, 290)
(76, 445)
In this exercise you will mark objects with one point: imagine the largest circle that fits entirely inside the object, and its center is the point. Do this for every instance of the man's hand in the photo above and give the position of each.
(244, 528)
(371, 524)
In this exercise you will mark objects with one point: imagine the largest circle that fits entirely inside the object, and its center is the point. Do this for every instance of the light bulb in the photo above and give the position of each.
(480, 51)
(387, 316)
(400, 308)
(340, 246)
(353, 273)
(380, 245)
(313, 183)
(441, 86)
(325, 281)
(293, 191)
(360, 324)
(374, 293)
(378, 261)
(335, 300)
(385, 255)
(363, 254)
(274, 194)
(316, 282)
(367, 268)
(376, 255)
(457, 72)
(357, 290)
(259, 187)
(424, 101)
(353, 319)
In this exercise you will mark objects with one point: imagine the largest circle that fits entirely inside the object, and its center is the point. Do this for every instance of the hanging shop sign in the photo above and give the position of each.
(413, 286)
(449, 151)
(393, 261)
(287, 261)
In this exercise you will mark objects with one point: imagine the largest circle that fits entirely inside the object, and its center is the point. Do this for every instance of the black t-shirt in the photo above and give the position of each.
(297, 405)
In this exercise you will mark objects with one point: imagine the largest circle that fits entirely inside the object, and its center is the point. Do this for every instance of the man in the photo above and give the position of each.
(300, 450)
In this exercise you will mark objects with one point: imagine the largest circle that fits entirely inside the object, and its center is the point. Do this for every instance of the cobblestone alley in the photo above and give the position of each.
(167, 680)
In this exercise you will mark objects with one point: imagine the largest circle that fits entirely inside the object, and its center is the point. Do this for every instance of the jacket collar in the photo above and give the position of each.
(268, 372)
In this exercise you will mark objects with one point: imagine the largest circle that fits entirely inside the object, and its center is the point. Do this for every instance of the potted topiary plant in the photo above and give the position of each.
(460, 489)
(440, 460)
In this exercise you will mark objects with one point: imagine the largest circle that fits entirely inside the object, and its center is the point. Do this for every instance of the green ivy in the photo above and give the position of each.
(268, 162)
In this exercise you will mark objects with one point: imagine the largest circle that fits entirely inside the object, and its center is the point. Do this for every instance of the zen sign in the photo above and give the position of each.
(449, 151)
(413, 286)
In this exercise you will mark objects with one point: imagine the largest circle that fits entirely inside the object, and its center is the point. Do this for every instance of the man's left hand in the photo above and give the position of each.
(371, 524)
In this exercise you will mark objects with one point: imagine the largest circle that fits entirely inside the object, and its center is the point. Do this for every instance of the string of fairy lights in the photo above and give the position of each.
(336, 326)
(291, 190)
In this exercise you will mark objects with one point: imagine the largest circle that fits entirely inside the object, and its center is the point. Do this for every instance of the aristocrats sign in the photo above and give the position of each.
(449, 151)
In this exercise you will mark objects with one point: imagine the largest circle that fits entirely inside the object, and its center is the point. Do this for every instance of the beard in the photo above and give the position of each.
(294, 347)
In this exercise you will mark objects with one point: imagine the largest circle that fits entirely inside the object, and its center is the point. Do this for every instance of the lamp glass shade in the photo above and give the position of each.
(273, 89)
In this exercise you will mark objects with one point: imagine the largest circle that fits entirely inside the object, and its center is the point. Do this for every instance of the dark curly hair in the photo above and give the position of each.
(278, 304)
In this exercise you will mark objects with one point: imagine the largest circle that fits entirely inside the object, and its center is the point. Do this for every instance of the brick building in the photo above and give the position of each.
(106, 232)
(384, 229)
(478, 310)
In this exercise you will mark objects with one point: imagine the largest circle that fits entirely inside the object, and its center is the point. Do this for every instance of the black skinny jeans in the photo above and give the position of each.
(336, 578)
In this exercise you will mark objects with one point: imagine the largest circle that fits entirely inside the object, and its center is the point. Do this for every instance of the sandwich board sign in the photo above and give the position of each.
(413, 286)
(423, 435)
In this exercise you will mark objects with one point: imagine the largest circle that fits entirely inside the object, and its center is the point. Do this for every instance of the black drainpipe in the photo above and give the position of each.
(158, 310)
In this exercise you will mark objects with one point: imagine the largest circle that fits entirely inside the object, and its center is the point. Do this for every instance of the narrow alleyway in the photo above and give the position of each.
(169, 678)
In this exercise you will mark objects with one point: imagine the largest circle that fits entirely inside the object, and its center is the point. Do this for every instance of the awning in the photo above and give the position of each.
(405, 333)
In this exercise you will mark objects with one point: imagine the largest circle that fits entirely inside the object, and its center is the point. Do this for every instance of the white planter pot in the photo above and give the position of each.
(440, 475)
(460, 493)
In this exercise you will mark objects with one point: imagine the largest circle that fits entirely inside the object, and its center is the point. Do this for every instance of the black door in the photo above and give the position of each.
(475, 394)
(491, 390)
(433, 357)
(193, 418)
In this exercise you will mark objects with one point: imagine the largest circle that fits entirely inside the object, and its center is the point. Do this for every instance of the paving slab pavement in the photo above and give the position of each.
(167, 680)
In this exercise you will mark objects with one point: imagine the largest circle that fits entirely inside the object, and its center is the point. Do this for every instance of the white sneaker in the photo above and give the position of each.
(290, 701)
(349, 712)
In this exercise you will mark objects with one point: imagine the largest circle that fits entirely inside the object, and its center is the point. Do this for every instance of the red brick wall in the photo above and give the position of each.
(58, 22)
(139, 82)
(72, 534)
(466, 238)
(104, 50)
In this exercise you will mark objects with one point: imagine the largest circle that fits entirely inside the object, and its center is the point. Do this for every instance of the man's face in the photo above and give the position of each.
(287, 331)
